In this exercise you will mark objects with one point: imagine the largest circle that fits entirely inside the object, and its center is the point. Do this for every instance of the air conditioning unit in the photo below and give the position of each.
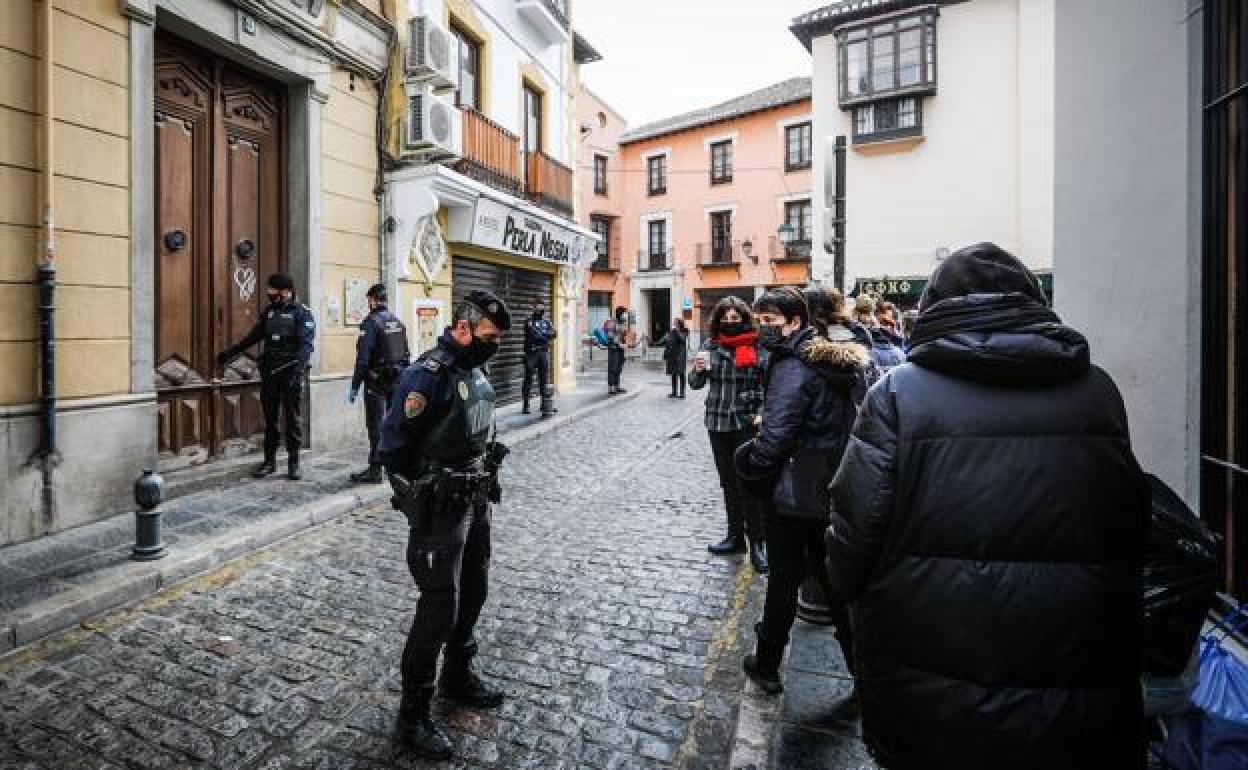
(431, 54)
(433, 128)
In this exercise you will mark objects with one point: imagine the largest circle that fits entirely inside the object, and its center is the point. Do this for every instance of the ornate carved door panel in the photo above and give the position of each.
(219, 223)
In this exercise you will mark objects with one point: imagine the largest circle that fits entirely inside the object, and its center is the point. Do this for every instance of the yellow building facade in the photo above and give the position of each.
(181, 151)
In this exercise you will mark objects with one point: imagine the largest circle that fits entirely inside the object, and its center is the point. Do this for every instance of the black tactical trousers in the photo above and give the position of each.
(375, 403)
(536, 364)
(281, 396)
(615, 366)
(744, 512)
(795, 550)
(451, 568)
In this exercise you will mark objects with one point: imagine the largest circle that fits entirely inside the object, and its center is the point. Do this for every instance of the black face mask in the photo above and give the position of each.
(538, 313)
(479, 351)
(732, 328)
(274, 298)
(770, 336)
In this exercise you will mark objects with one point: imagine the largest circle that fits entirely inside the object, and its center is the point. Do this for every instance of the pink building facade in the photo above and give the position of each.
(601, 190)
(700, 199)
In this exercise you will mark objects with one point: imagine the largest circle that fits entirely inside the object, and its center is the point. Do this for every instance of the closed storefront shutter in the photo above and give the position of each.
(521, 290)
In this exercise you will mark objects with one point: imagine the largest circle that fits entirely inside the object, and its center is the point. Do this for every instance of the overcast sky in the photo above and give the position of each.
(665, 57)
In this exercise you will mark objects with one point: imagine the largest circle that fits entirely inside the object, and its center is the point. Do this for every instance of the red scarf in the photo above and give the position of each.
(745, 352)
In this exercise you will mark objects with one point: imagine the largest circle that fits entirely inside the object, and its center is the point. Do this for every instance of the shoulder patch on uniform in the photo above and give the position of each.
(414, 405)
(309, 324)
(432, 364)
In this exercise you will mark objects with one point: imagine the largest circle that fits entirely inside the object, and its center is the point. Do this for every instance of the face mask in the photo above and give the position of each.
(538, 313)
(732, 328)
(274, 298)
(480, 351)
(770, 336)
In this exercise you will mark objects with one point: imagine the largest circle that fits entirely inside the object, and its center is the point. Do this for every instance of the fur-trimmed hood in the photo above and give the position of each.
(819, 352)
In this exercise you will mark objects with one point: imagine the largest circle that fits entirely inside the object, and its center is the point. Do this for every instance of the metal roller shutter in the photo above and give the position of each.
(521, 290)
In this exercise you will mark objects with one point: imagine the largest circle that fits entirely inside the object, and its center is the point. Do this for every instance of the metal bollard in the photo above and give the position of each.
(149, 491)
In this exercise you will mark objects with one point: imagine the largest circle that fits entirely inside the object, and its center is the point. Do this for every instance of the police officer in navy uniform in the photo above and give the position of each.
(381, 355)
(287, 329)
(438, 449)
(538, 333)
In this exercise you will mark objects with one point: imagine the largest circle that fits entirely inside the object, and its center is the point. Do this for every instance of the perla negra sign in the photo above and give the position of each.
(507, 229)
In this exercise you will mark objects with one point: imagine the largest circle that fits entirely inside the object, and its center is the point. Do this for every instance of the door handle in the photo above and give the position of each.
(175, 240)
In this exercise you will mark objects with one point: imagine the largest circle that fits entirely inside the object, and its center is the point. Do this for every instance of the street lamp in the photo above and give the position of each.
(747, 248)
(786, 233)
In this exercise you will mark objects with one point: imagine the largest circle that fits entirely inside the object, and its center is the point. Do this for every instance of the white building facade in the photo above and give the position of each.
(491, 203)
(943, 149)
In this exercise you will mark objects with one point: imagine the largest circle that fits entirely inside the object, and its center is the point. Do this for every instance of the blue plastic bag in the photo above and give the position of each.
(1223, 688)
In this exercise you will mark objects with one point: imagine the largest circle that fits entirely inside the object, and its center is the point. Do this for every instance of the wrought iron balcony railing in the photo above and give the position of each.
(650, 263)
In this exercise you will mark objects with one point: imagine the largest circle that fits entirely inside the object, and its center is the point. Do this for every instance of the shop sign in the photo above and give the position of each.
(503, 228)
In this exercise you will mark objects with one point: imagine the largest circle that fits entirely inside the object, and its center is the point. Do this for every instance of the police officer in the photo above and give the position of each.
(538, 333)
(437, 447)
(381, 355)
(287, 329)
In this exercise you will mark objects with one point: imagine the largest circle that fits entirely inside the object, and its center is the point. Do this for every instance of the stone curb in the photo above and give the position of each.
(124, 584)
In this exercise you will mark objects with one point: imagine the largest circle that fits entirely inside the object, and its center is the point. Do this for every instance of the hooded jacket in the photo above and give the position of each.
(812, 385)
(988, 523)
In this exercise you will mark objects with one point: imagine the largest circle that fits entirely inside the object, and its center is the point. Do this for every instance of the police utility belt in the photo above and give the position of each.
(441, 493)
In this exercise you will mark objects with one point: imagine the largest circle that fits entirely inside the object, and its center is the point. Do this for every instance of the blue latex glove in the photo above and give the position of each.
(353, 394)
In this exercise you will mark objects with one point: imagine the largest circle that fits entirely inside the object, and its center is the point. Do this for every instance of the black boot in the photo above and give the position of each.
(266, 469)
(371, 476)
(525, 409)
(758, 557)
(730, 545)
(458, 683)
(292, 467)
(416, 732)
(763, 665)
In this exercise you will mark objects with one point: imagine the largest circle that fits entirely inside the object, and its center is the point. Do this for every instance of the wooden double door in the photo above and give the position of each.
(219, 234)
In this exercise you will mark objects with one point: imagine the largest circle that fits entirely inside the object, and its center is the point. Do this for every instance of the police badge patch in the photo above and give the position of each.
(414, 405)
(463, 390)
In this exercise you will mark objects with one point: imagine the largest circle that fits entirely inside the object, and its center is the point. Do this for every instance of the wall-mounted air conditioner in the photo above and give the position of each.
(433, 128)
(431, 54)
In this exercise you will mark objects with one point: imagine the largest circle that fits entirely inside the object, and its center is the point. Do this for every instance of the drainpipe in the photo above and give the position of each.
(46, 272)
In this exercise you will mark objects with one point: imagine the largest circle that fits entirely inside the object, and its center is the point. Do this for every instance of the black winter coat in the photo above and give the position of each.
(808, 410)
(675, 351)
(987, 526)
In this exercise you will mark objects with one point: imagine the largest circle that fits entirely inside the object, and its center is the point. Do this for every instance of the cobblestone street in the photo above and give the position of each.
(615, 634)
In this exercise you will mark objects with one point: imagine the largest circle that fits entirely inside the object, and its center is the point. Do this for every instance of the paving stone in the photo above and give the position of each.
(603, 611)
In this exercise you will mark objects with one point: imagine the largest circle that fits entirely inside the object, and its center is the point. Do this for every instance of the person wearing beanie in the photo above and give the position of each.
(987, 528)
(288, 331)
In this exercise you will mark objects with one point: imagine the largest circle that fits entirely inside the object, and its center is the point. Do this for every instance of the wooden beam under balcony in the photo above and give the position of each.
(491, 153)
(549, 184)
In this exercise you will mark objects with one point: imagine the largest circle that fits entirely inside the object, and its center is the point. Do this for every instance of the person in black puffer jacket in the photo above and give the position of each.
(812, 378)
(988, 527)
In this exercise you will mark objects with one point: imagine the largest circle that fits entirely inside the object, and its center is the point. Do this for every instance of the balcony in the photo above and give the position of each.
(548, 183)
(719, 254)
(607, 261)
(653, 263)
(797, 251)
(548, 17)
(491, 153)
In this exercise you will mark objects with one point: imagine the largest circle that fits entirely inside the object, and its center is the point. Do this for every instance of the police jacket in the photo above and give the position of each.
(287, 330)
(987, 526)
(441, 413)
(381, 352)
(538, 332)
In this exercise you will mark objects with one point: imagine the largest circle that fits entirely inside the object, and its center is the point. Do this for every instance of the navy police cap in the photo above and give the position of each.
(492, 308)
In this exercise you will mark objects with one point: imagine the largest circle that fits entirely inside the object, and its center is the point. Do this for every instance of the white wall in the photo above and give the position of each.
(1126, 260)
(513, 41)
(981, 172)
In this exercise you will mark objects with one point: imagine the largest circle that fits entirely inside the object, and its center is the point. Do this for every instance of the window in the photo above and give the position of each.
(658, 244)
(721, 162)
(797, 147)
(600, 174)
(469, 56)
(721, 236)
(656, 175)
(532, 120)
(602, 226)
(882, 59)
(889, 119)
(797, 215)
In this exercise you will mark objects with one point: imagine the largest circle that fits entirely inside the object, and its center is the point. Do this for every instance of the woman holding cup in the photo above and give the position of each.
(729, 363)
